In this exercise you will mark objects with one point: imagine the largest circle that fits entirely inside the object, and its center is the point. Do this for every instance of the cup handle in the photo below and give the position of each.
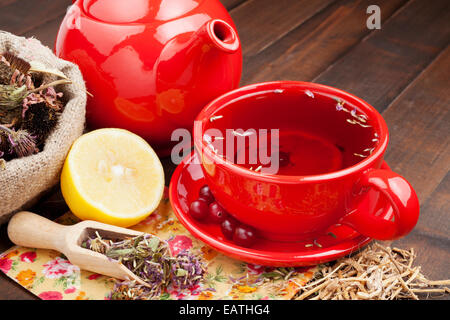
(398, 219)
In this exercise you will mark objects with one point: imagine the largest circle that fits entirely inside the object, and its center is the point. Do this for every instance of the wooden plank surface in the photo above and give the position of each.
(419, 127)
(382, 65)
(432, 253)
(262, 22)
(433, 219)
(5, 2)
(24, 15)
(231, 4)
(419, 122)
(310, 48)
(46, 32)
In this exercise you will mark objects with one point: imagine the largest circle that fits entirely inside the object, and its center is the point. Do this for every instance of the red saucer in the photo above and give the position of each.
(340, 240)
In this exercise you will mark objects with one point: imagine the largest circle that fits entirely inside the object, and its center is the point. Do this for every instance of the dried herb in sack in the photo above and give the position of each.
(29, 106)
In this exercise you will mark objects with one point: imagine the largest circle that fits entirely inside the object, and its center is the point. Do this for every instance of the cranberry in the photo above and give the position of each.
(244, 236)
(206, 194)
(284, 159)
(216, 213)
(199, 209)
(228, 226)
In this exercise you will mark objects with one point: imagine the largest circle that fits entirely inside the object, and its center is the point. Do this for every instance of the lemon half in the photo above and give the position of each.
(112, 176)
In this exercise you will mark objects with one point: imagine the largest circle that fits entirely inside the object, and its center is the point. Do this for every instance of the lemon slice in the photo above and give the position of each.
(112, 176)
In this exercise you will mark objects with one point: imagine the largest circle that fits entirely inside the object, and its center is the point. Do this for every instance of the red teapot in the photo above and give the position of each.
(151, 65)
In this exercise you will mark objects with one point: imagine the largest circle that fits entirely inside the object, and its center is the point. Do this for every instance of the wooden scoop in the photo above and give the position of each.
(31, 230)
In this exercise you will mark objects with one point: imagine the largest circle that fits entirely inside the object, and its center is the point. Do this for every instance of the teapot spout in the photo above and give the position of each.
(222, 35)
(195, 68)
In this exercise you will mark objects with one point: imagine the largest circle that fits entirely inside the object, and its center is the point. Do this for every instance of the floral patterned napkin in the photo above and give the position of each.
(50, 276)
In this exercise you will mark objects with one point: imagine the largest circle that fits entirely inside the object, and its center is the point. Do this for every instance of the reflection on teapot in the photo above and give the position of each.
(151, 65)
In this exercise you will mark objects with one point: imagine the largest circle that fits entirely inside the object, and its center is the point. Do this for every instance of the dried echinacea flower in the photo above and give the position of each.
(52, 98)
(40, 120)
(21, 142)
(29, 106)
(15, 101)
(18, 70)
(5, 73)
(4, 147)
(17, 63)
(11, 97)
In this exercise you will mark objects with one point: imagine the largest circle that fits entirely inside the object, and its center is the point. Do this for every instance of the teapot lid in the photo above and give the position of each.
(138, 11)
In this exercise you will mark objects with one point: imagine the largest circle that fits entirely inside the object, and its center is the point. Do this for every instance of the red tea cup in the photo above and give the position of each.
(336, 144)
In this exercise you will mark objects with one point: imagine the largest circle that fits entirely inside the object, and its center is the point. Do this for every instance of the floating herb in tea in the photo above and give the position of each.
(149, 258)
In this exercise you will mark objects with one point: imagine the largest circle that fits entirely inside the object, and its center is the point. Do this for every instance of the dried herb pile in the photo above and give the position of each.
(376, 273)
(149, 258)
(29, 106)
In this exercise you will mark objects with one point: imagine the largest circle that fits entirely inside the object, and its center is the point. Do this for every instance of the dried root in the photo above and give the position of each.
(376, 273)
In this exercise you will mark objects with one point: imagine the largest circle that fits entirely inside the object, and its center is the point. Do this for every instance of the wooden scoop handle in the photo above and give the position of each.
(31, 230)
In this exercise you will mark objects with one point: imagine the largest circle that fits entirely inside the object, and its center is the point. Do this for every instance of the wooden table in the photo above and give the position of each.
(403, 70)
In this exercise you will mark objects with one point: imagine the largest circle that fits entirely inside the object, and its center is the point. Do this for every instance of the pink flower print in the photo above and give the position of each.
(151, 218)
(5, 264)
(94, 276)
(50, 295)
(58, 268)
(186, 294)
(255, 269)
(195, 290)
(29, 256)
(70, 290)
(179, 243)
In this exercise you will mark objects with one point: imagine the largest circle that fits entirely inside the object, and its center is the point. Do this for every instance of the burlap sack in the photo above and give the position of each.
(24, 180)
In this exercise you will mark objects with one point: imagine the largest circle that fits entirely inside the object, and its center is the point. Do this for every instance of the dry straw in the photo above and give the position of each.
(375, 273)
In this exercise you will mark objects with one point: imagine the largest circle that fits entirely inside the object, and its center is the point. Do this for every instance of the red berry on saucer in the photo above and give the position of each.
(244, 236)
(217, 213)
(206, 194)
(228, 226)
(199, 209)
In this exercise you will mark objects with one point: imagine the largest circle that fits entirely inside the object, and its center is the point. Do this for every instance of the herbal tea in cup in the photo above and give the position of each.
(293, 158)
(307, 134)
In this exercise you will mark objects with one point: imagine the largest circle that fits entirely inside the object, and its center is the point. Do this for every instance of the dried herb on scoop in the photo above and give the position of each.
(29, 106)
(149, 258)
